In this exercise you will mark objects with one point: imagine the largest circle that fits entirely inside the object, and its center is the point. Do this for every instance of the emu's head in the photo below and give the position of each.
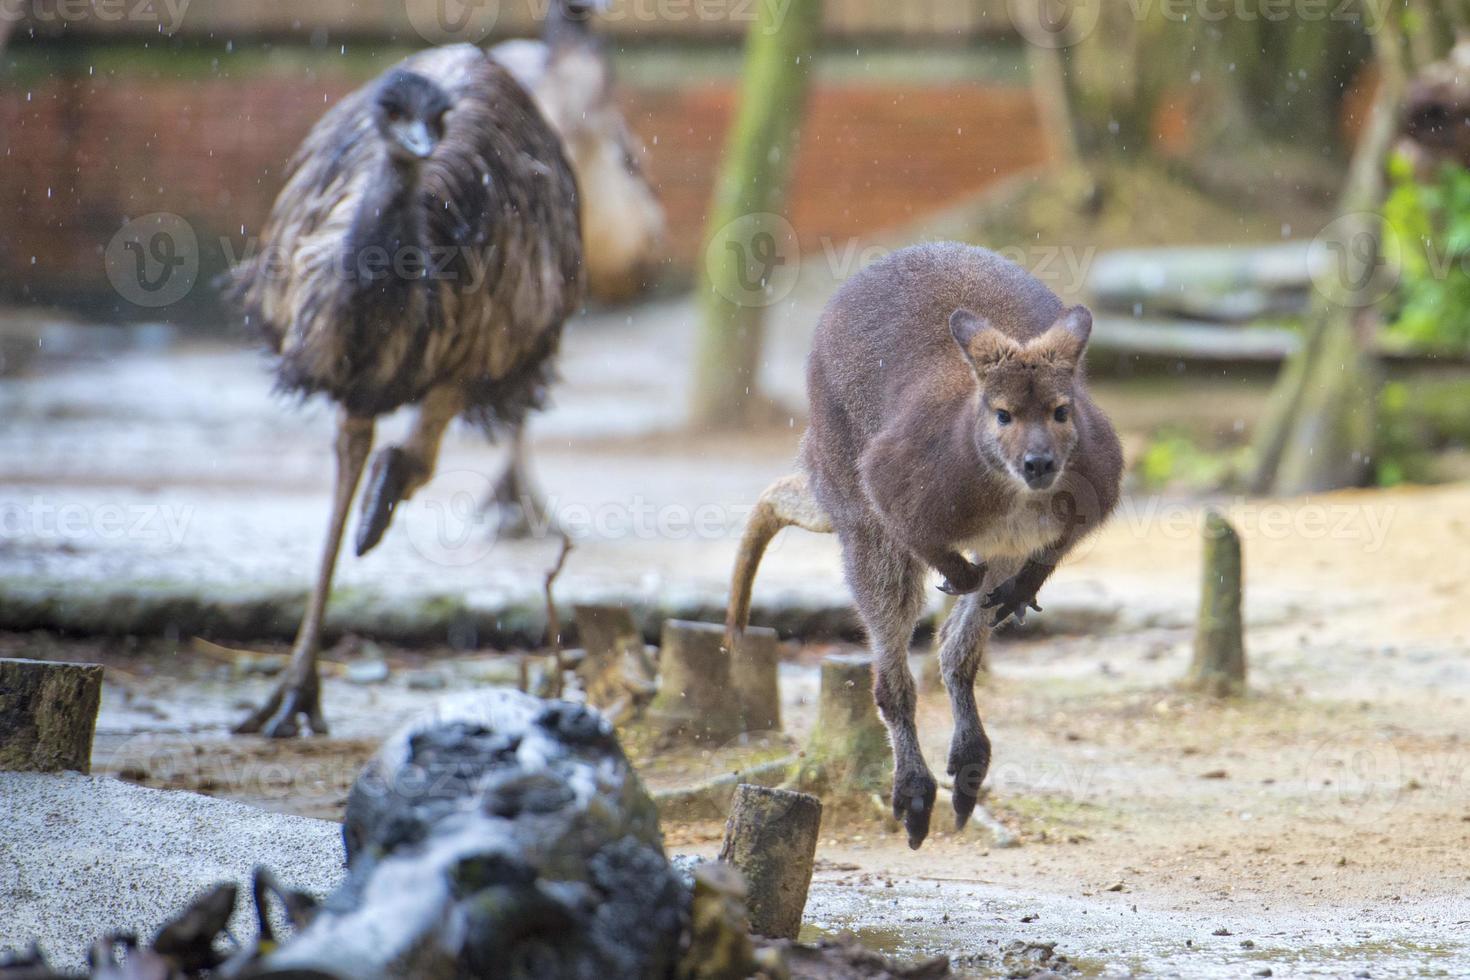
(409, 112)
(1026, 391)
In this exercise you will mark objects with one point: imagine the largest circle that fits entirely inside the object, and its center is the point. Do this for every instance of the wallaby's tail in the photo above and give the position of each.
(786, 502)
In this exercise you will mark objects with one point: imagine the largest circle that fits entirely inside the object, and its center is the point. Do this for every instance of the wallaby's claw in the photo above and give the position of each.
(1007, 596)
(963, 578)
(969, 761)
(913, 804)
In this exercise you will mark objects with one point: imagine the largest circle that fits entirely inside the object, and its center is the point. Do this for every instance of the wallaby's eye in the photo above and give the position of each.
(1062, 413)
(1003, 417)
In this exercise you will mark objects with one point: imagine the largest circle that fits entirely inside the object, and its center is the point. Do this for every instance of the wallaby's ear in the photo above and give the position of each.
(1066, 341)
(980, 342)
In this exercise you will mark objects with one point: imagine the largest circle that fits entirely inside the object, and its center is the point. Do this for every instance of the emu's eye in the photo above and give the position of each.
(1062, 413)
(1003, 417)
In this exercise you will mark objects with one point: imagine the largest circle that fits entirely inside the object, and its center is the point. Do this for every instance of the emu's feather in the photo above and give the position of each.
(496, 210)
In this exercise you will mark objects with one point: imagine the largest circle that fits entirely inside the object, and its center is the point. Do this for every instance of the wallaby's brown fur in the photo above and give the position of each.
(949, 415)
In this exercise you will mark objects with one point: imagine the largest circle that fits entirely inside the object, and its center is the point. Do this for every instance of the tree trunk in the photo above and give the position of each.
(1318, 431)
(749, 246)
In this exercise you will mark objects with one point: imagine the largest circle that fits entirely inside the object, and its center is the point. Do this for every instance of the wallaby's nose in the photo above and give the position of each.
(1039, 467)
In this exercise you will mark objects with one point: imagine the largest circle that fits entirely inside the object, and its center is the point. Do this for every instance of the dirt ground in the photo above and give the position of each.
(1316, 827)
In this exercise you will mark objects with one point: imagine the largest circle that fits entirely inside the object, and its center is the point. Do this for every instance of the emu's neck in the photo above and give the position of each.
(386, 240)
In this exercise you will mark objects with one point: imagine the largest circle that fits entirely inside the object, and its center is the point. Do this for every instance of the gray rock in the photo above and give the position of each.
(499, 835)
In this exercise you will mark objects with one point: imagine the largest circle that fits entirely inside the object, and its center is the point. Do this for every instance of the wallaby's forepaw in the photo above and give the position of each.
(969, 761)
(961, 576)
(1010, 599)
(913, 804)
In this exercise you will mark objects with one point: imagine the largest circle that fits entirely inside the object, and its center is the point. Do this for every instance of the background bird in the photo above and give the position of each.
(570, 75)
(425, 250)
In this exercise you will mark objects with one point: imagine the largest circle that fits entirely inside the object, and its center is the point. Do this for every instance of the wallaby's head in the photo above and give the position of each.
(1026, 389)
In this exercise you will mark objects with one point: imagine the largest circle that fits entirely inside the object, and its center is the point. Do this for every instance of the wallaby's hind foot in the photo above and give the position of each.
(786, 503)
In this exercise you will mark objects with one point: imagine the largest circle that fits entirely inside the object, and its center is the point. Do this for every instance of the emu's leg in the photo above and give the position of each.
(299, 693)
(888, 584)
(785, 503)
(398, 471)
(961, 652)
(519, 506)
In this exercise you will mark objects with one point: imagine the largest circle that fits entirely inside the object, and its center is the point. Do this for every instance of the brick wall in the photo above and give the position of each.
(81, 155)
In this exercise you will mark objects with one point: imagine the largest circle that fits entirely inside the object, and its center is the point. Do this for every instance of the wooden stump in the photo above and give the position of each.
(771, 837)
(617, 674)
(848, 751)
(753, 675)
(694, 699)
(48, 712)
(1218, 668)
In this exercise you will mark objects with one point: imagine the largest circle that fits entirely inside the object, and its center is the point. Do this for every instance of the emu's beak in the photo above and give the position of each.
(414, 136)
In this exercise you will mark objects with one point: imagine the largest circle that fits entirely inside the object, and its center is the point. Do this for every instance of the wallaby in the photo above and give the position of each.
(949, 414)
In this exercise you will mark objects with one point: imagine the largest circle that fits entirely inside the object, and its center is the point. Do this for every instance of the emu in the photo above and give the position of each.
(569, 74)
(425, 250)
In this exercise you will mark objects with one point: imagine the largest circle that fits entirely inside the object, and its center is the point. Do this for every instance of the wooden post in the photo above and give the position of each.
(771, 837)
(753, 675)
(617, 674)
(48, 713)
(1218, 668)
(848, 750)
(694, 699)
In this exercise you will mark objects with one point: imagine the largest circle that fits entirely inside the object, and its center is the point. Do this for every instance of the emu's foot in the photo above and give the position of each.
(288, 705)
(392, 473)
(1012, 599)
(961, 576)
(969, 761)
(516, 509)
(913, 804)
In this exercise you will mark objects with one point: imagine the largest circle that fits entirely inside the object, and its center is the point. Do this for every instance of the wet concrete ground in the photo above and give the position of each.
(1322, 820)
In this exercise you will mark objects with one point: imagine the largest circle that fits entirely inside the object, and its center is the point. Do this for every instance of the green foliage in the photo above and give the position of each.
(1416, 421)
(1427, 229)
(1173, 460)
